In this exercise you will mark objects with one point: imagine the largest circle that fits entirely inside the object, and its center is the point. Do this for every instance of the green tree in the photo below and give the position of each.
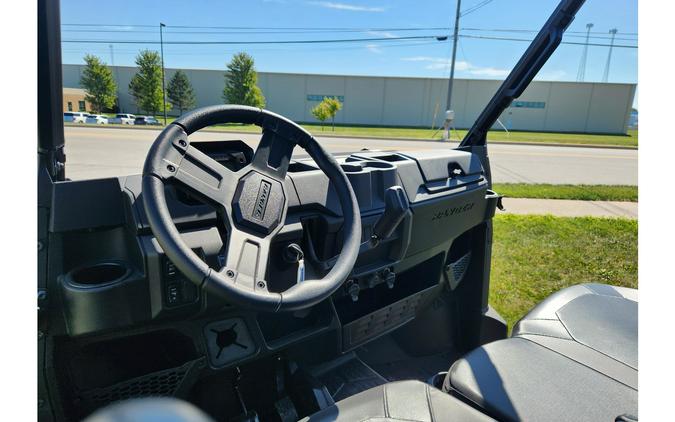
(180, 91)
(241, 82)
(332, 105)
(146, 85)
(321, 113)
(99, 85)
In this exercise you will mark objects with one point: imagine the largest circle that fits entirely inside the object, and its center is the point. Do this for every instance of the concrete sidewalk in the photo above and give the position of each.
(571, 208)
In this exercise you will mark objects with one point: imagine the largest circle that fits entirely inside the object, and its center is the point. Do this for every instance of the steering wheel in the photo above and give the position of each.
(252, 202)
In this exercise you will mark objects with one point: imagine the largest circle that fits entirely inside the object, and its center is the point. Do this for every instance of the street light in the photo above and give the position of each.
(161, 44)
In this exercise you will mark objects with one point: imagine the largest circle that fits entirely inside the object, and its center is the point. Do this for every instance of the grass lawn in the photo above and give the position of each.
(583, 192)
(629, 140)
(534, 256)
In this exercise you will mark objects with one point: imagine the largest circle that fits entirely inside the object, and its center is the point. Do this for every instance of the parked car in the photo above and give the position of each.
(146, 120)
(123, 119)
(74, 117)
(97, 119)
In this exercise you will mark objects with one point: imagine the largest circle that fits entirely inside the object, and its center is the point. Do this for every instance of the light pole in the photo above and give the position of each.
(117, 77)
(605, 77)
(582, 65)
(161, 47)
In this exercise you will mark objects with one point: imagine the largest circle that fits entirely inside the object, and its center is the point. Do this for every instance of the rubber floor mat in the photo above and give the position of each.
(346, 376)
(394, 364)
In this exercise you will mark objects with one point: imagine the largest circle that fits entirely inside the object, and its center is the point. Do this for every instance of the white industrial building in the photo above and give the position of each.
(416, 102)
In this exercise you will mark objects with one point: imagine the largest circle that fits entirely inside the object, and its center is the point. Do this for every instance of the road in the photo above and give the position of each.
(102, 152)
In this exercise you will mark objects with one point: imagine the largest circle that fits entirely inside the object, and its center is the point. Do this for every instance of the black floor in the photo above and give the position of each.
(389, 360)
(346, 376)
(377, 363)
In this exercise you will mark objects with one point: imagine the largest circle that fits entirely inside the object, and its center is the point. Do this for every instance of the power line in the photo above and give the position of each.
(529, 40)
(246, 31)
(533, 31)
(328, 41)
(441, 37)
(192, 52)
(475, 7)
(319, 29)
(271, 28)
(567, 35)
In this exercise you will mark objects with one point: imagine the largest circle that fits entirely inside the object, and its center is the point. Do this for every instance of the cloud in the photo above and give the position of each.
(374, 48)
(345, 6)
(440, 63)
(381, 34)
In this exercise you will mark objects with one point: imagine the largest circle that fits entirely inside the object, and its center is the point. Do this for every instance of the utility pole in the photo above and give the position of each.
(454, 55)
(117, 78)
(161, 44)
(449, 113)
(605, 77)
(582, 65)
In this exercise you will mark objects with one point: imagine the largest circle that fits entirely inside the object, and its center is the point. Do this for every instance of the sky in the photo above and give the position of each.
(377, 21)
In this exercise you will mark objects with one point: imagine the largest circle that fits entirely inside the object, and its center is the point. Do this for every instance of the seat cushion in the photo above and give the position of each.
(410, 401)
(574, 356)
(600, 317)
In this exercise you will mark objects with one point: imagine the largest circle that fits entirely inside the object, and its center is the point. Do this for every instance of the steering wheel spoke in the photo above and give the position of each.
(200, 174)
(273, 154)
(247, 260)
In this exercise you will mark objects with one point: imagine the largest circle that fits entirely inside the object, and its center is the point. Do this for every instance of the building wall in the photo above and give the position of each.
(73, 97)
(419, 102)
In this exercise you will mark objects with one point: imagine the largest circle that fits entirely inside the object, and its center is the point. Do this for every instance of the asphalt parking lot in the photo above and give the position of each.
(94, 152)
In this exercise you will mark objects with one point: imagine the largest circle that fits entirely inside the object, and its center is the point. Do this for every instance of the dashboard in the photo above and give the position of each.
(116, 281)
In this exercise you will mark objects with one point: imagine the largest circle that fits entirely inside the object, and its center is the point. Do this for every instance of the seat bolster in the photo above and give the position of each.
(535, 322)
(410, 401)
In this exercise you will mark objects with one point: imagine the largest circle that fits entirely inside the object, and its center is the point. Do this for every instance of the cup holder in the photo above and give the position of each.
(99, 274)
(351, 168)
(360, 166)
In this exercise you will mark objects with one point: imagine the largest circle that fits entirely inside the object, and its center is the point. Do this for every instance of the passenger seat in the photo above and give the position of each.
(573, 357)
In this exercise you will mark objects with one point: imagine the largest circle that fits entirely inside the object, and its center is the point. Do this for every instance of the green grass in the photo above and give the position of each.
(535, 256)
(629, 140)
(582, 192)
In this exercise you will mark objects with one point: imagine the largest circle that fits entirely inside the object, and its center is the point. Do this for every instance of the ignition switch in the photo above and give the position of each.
(294, 255)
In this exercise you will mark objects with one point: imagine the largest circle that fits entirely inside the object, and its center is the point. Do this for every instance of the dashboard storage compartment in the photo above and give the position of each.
(283, 328)
(383, 320)
(383, 308)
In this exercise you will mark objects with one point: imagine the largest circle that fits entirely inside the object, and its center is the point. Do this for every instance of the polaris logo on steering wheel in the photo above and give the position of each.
(261, 200)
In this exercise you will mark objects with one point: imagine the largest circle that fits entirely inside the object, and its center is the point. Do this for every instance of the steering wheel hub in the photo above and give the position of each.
(259, 202)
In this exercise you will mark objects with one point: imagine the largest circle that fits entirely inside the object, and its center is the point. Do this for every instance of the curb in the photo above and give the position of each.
(541, 144)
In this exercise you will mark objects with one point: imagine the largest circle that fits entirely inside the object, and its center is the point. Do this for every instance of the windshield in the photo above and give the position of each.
(386, 66)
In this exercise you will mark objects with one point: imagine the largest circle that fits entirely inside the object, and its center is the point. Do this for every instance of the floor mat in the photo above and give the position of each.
(346, 376)
(390, 361)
